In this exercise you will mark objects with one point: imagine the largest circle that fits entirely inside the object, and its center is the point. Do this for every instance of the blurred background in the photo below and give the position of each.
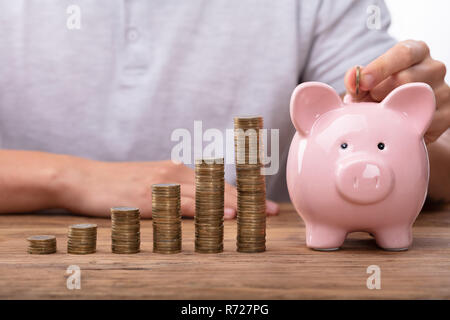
(423, 20)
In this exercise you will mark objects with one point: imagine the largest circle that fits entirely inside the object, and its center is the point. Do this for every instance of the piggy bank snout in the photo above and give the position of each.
(364, 182)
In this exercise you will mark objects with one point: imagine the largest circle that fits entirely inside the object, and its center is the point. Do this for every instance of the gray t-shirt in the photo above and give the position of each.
(136, 70)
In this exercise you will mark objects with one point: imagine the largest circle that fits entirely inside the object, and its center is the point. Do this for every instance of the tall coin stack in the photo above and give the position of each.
(42, 244)
(125, 233)
(209, 205)
(166, 215)
(251, 189)
(82, 238)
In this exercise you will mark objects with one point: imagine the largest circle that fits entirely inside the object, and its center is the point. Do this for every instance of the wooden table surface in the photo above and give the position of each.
(287, 270)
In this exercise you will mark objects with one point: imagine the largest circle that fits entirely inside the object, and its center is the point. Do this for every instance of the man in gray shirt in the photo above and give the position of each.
(91, 91)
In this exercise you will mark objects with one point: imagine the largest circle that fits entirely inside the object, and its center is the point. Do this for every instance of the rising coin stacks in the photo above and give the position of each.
(42, 244)
(209, 205)
(125, 233)
(251, 189)
(166, 214)
(82, 238)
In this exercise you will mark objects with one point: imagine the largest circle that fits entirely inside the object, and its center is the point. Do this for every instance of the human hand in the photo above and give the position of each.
(98, 186)
(408, 61)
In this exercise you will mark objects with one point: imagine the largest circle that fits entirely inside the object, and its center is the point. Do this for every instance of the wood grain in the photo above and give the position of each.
(288, 270)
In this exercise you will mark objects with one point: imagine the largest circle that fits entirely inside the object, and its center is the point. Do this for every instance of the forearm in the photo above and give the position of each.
(439, 154)
(32, 180)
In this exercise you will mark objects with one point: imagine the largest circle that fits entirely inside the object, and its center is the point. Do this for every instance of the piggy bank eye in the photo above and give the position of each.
(344, 145)
(381, 146)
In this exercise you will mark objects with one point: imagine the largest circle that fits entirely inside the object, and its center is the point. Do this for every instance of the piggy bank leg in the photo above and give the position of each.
(324, 238)
(394, 239)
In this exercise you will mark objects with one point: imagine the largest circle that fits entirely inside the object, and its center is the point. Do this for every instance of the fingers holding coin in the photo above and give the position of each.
(353, 80)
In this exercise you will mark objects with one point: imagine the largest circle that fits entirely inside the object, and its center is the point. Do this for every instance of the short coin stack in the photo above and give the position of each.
(125, 233)
(251, 206)
(42, 244)
(209, 205)
(82, 238)
(166, 215)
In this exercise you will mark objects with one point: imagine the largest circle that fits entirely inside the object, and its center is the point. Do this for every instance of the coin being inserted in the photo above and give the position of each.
(358, 78)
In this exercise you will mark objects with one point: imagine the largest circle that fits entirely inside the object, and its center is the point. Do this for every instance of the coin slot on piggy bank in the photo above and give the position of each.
(359, 166)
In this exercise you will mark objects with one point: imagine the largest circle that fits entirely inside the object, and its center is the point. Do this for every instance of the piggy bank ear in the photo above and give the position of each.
(416, 101)
(309, 101)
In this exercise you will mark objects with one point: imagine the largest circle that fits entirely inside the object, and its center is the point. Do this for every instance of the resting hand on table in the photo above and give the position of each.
(97, 186)
(410, 61)
(32, 181)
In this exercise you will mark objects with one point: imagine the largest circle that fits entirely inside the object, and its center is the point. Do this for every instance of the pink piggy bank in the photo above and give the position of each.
(359, 166)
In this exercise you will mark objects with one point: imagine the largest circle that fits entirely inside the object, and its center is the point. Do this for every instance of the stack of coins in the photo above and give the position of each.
(82, 238)
(125, 233)
(209, 205)
(251, 206)
(42, 244)
(166, 214)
